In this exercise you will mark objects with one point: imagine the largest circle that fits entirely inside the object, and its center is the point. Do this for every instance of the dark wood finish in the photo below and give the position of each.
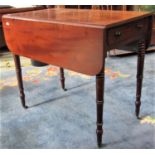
(99, 106)
(140, 68)
(62, 79)
(79, 40)
(19, 79)
(121, 33)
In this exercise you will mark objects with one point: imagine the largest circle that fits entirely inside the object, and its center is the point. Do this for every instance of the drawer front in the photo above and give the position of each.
(127, 32)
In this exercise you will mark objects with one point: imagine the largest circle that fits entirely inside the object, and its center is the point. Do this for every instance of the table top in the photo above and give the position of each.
(82, 17)
(10, 10)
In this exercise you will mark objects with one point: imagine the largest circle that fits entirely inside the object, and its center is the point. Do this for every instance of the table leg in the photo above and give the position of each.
(140, 67)
(19, 79)
(99, 102)
(62, 78)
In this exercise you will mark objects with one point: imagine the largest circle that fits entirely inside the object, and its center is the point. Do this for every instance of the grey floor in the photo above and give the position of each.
(58, 119)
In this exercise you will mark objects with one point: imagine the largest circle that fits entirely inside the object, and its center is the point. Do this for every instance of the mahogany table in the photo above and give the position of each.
(78, 40)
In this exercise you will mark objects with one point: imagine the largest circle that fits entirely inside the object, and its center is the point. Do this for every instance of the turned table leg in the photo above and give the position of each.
(62, 78)
(99, 105)
(19, 79)
(140, 67)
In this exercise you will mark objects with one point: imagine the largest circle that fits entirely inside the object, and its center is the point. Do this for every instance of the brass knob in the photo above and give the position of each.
(118, 33)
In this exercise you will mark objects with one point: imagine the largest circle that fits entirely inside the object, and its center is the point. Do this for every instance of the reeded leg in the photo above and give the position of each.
(62, 79)
(99, 102)
(19, 79)
(140, 67)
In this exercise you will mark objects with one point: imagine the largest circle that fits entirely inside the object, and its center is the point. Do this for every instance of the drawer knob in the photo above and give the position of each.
(139, 26)
(118, 33)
